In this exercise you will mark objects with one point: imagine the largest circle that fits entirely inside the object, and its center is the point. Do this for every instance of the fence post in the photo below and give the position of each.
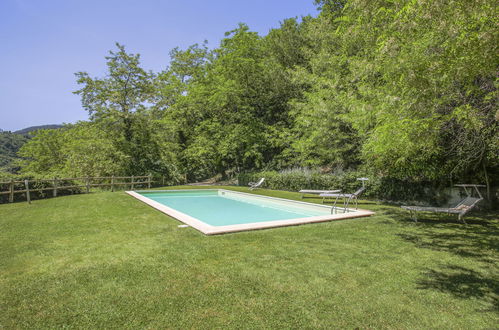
(132, 182)
(112, 183)
(54, 192)
(88, 184)
(28, 197)
(11, 191)
(163, 181)
(149, 182)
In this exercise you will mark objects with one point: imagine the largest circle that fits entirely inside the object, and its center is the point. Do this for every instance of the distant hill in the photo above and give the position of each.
(11, 142)
(28, 130)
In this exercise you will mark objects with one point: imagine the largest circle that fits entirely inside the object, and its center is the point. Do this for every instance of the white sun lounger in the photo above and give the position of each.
(254, 185)
(461, 208)
(317, 192)
(347, 198)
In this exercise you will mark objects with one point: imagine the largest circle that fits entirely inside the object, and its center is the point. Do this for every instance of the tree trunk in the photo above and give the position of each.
(487, 182)
(128, 129)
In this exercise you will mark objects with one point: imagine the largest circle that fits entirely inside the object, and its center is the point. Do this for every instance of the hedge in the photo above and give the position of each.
(385, 189)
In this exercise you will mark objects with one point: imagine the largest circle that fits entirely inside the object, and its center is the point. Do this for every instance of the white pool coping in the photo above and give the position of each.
(213, 230)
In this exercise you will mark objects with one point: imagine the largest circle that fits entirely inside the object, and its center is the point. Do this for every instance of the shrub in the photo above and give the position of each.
(380, 188)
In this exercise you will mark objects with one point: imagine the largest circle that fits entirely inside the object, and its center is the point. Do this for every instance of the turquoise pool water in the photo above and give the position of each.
(222, 207)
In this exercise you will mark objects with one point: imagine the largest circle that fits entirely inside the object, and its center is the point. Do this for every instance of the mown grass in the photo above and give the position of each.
(108, 260)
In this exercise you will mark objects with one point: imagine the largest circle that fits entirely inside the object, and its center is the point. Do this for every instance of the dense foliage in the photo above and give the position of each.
(404, 90)
(378, 187)
(10, 143)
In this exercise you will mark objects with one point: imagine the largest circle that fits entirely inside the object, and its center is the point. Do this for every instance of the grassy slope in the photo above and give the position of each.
(107, 260)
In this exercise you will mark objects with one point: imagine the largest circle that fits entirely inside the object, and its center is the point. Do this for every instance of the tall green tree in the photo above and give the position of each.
(119, 102)
(42, 155)
(233, 114)
(322, 132)
(426, 95)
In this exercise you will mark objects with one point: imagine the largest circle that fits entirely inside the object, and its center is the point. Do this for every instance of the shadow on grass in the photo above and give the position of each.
(477, 241)
(462, 283)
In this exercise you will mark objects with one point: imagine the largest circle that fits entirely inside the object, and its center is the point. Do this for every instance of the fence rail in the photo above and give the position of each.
(58, 184)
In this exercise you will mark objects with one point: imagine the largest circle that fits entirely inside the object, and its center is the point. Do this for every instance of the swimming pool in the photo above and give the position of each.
(217, 211)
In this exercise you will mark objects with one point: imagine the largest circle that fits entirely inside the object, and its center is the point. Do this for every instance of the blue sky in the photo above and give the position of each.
(43, 43)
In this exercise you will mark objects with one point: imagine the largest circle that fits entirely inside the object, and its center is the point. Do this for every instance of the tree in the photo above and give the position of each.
(322, 132)
(10, 143)
(42, 155)
(234, 112)
(77, 150)
(425, 98)
(119, 103)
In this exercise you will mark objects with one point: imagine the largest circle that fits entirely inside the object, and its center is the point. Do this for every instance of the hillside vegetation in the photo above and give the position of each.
(405, 90)
(27, 130)
(11, 142)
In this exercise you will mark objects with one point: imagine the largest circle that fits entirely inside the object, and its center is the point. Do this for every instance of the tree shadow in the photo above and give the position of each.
(463, 283)
(478, 239)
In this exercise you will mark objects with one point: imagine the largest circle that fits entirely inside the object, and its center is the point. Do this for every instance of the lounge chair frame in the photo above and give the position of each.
(463, 207)
(317, 192)
(254, 185)
(347, 198)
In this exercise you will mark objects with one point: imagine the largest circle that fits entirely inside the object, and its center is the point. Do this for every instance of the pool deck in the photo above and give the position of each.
(214, 230)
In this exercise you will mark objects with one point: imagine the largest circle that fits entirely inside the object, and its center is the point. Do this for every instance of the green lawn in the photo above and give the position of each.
(108, 260)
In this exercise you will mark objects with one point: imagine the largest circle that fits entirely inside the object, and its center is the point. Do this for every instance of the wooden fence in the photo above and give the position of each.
(57, 184)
